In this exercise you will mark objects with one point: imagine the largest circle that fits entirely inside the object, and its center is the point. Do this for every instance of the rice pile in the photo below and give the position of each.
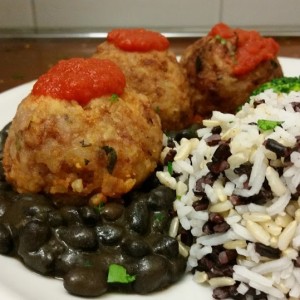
(238, 188)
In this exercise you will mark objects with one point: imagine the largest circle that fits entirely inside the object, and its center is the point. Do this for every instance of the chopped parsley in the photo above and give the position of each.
(220, 39)
(117, 273)
(159, 216)
(170, 168)
(114, 98)
(266, 125)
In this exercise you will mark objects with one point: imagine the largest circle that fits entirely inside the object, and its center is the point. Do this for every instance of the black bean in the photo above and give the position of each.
(171, 143)
(216, 218)
(187, 133)
(207, 179)
(227, 256)
(79, 237)
(170, 156)
(239, 200)
(112, 211)
(33, 235)
(213, 140)
(136, 247)
(85, 282)
(221, 227)
(217, 271)
(152, 274)
(55, 218)
(221, 153)
(71, 215)
(201, 204)
(109, 234)
(138, 217)
(218, 166)
(186, 237)
(166, 246)
(245, 168)
(177, 268)
(160, 198)
(267, 251)
(225, 292)
(279, 149)
(6, 240)
(68, 260)
(89, 215)
(38, 212)
(216, 130)
(41, 261)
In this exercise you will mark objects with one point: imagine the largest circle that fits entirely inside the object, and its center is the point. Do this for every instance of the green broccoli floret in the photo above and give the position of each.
(280, 85)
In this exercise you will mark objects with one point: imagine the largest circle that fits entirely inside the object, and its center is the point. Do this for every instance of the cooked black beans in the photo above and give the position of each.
(85, 281)
(201, 204)
(109, 234)
(267, 251)
(76, 243)
(79, 237)
(152, 274)
(6, 241)
(112, 211)
(136, 247)
(279, 149)
(79, 244)
(138, 217)
(32, 236)
(187, 133)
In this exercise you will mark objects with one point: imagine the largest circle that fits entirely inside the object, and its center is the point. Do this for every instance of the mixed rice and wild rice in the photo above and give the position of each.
(238, 198)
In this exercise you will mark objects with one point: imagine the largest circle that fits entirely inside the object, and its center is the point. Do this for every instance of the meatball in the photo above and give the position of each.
(158, 75)
(108, 145)
(223, 68)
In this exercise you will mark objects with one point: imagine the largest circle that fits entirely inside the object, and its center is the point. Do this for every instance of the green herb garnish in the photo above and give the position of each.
(114, 98)
(117, 273)
(159, 216)
(280, 85)
(99, 207)
(221, 40)
(266, 125)
(170, 168)
(111, 156)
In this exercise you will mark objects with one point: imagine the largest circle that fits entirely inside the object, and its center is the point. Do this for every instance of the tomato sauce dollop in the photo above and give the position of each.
(250, 47)
(81, 79)
(139, 40)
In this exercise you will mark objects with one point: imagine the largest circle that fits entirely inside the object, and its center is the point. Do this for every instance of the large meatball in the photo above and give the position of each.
(224, 67)
(108, 145)
(155, 73)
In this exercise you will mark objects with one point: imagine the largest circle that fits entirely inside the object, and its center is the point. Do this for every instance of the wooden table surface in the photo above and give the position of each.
(23, 60)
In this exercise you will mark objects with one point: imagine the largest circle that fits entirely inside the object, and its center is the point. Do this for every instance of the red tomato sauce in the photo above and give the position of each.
(139, 40)
(81, 80)
(250, 47)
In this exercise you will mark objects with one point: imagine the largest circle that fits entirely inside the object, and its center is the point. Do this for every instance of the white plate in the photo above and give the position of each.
(19, 283)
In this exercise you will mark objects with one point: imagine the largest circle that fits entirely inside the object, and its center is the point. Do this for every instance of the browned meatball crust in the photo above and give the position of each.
(208, 65)
(158, 75)
(108, 146)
